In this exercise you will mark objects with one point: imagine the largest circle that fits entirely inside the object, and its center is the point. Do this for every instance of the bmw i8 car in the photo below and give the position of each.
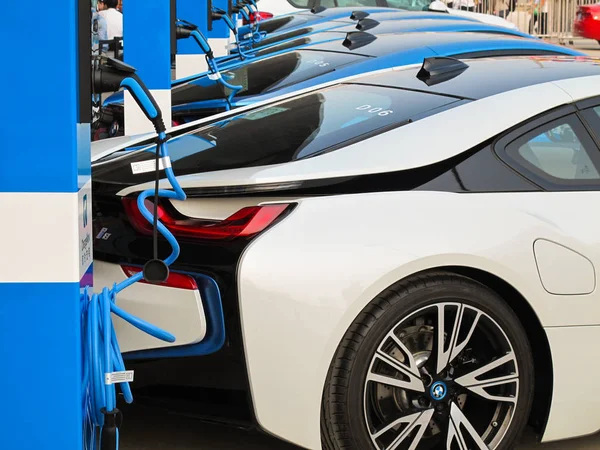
(349, 54)
(395, 23)
(286, 8)
(405, 259)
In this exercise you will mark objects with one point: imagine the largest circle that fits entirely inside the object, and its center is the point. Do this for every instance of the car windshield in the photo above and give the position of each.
(291, 130)
(265, 75)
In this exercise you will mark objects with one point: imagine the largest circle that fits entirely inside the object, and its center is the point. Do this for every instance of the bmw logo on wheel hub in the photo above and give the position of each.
(439, 391)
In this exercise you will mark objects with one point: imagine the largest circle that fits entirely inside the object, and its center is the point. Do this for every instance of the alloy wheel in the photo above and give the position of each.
(444, 377)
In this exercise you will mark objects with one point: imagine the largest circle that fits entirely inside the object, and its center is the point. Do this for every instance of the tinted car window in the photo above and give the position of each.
(265, 75)
(291, 130)
(302, 3)
(592, 117)
(346, 3)
(558, 153)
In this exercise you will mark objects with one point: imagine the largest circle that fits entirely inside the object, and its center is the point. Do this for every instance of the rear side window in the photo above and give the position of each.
(265, 75)
(303, 127)
(558, 154)
(346, 3)
(302, 4)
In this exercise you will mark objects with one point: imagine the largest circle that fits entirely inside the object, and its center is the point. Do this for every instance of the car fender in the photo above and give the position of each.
(303, 282)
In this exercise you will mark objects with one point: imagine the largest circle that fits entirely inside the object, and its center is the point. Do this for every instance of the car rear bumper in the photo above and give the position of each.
(178, 311)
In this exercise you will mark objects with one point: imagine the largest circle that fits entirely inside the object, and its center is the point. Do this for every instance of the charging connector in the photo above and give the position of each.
(103, 366)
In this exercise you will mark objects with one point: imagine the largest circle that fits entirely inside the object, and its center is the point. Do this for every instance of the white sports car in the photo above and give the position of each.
(405, 259)
(270, 8)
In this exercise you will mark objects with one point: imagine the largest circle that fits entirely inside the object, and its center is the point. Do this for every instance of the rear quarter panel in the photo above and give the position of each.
(304, 282)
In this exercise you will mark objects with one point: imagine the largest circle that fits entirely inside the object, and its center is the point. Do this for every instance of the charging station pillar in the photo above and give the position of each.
(45, 225)
(147, 47)
(190, 60)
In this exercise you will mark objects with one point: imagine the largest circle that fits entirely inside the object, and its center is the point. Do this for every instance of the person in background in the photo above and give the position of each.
(464, 5)
(99, 30)
(540, 17)
(114, 19)
(501, 8)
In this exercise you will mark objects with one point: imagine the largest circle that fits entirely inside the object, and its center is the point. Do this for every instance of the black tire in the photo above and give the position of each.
(343, 424)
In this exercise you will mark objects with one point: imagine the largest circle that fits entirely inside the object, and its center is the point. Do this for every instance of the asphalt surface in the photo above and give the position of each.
(151, 429)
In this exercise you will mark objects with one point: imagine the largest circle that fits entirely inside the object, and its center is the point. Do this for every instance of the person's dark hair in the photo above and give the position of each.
(110, 3)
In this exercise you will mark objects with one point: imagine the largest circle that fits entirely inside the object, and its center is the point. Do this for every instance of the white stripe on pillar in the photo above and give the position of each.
(136, 121)
(41, 237)
(188, 65)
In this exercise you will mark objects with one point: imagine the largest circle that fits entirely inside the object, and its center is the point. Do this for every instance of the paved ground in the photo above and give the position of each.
(149, 429)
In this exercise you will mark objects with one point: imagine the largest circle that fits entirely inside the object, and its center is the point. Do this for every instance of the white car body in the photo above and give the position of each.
(303, 283)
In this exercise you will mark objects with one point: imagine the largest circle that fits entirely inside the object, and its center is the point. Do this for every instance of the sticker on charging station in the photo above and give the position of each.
(214, 76)
(150, 165)
(118, 377)
(85, 234)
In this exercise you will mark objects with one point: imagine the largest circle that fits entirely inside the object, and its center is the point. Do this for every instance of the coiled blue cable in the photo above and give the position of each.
(101, 351)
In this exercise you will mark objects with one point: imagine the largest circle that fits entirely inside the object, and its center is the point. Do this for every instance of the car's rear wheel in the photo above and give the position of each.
(436, 362)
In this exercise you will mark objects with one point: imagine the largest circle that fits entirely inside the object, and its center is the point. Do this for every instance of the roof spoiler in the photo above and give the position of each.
(359, 15)
(357, 39)
(318, 9)
(366, 24)
(438, 69)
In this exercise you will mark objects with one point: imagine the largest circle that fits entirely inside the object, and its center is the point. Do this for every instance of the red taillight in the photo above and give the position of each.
(175, 280)
(135, 216)
(258, 16)
(246, 222)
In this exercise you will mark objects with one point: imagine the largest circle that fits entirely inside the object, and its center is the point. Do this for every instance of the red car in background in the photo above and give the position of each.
(587, 22)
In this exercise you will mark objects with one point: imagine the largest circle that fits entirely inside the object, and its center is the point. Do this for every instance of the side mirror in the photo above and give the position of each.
(438, 6)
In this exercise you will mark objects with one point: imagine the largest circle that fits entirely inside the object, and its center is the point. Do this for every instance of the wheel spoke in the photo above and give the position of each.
(412, 364)
(445, 357)
(458, 424)
(419, 420)
(471, 381)
(414, 383)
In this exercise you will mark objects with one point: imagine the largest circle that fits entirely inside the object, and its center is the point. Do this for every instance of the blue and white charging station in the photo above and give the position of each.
(60, 361)
(147, 47)
(45, 232)
(190, 60)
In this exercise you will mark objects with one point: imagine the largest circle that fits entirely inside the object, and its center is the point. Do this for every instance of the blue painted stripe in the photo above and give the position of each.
(40, 346)
(39, 148)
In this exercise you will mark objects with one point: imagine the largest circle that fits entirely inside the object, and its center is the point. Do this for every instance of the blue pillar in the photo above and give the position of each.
(147, 47)
(219, 36)
(44, 177)
(190, 59)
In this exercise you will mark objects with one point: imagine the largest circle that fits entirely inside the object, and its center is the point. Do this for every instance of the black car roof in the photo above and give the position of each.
(485, 77)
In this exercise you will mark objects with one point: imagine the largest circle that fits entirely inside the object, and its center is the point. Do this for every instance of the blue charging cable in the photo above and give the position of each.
(103, 366)
(214, 67)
